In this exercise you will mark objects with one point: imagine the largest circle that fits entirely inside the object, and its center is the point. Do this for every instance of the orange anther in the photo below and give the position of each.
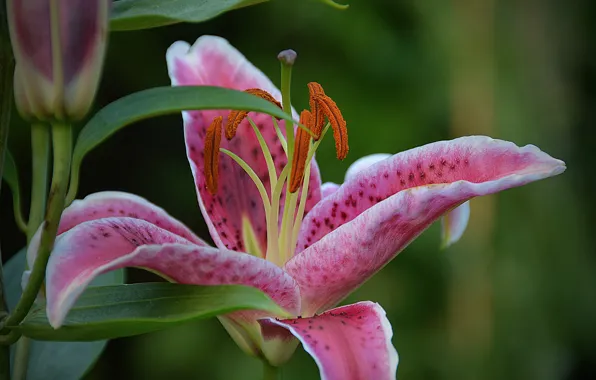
(318, 117)
(301, 148)
(211, 158)
(234, 119)
(237, 116)
(264, 95)
(338, 123)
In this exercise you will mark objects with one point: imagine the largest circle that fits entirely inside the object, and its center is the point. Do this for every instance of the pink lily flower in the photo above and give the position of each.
(306, 245)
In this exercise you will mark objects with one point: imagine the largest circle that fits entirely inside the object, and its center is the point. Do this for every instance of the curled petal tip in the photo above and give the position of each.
(454, 224)
(340, 335)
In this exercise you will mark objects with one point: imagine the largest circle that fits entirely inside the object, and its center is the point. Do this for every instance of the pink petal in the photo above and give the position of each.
(98, 246)
(328, 188)
(364, 163)
(114, 204)
(354, 232)
(454, 224)
(348, 343)
(119, 204)
(213, 61)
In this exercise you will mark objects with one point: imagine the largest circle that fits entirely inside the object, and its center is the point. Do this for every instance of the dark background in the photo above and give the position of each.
(516, 297)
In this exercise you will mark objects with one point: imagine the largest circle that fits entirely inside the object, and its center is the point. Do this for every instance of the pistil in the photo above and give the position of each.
(299, 148)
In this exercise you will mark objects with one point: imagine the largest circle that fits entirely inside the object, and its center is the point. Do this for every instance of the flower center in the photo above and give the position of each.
(300, 145)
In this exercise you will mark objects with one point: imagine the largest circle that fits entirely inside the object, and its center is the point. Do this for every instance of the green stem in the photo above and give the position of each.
(5, 363)
(40, 148)
(6, 73)
(74, 184)
(21, 359)
(62, 143)
(270, 372)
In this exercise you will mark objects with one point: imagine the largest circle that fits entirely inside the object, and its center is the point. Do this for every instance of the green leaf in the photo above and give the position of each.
(144, 14)
(124, 310)
(10, 175)
(55, 360)
(160, 101)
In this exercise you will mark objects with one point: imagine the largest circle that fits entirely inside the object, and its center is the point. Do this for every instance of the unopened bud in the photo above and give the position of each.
(59, 47)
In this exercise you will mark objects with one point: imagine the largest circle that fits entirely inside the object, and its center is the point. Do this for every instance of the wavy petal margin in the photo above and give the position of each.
(98, 246)
(354, 232)
(351, 342)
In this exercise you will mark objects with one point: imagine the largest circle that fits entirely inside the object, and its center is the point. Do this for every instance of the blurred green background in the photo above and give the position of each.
(516, 298)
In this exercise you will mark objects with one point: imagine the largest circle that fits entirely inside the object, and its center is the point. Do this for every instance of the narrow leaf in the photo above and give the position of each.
(125, 310)
(144, 14)
(161, 101)
(55, 360)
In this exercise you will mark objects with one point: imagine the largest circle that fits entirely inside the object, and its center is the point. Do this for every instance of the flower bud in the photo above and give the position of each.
(59, 47)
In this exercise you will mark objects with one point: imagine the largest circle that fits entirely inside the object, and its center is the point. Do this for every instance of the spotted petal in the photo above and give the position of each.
(98, 246)
(328, 188)
(364, 163)
(453, 224)
(114, 204)
(348, 343)
(354, 232)
(213, 61)
(118, 204)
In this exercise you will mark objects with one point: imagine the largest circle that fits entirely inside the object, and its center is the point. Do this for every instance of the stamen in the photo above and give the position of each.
(234, 119)
(255, 178)
(211, 158)
(266, 154)
(264, 95)
(338, 123)
(304, 195)
(318, 117)
(237, 116)
(273, 220)
(280, 136)
(300, 152)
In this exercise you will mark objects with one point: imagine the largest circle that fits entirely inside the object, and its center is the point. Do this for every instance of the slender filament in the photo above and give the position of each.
(255, 178)
(266, 154)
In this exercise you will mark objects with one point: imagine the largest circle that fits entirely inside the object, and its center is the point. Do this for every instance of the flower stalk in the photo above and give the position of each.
(270, 372)
(40, 148)
(62, 151)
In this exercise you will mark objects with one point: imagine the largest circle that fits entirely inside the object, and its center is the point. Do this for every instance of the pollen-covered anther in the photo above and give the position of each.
(301, 148)
(212, 143)
(263, 95)
(237, 116)
(338, 123)
(234, 120)
(318, 117)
